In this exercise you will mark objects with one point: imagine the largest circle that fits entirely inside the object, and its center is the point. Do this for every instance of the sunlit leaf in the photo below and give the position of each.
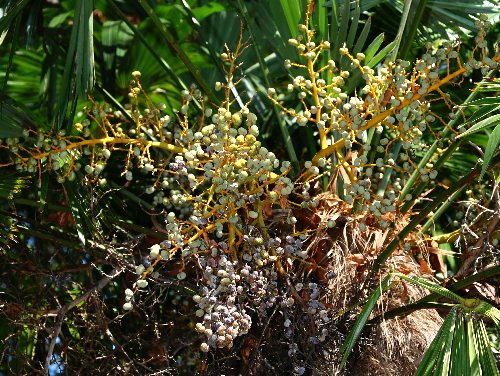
(486, 358)
(11, 184)
(116, 37)
(433, 353)
(208, 9)
(491, 148)
(486, 123)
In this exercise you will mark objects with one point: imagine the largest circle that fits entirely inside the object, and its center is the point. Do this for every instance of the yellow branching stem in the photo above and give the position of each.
(379, 118)
(328, 151)
(105, 141)
(323, 153)
(232, 230)
(263, 228)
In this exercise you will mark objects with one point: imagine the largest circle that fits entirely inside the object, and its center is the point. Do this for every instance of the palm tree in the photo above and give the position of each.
(74, 249)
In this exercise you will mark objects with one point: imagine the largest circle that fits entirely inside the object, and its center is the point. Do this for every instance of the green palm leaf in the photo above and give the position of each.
(429, 19)
(146, 44)
(13, 118)
(10, 184)
(181, 54)
(491, 148)
(417, 188)
(116, 37)
(78, 203)
(266, 75)
(438, 346)
(11, 9)
(363, 316)
(286, 16)
(459, 359)
(472, 354)
(483, 124)
(438, 200)
(431, 286)
(443, 363)
(78, 75)
(411, 25)
(486, 359)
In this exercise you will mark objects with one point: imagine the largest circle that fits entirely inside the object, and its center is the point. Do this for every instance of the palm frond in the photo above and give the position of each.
(178, 50)
(460, 348)
(438, 200)
(411, 25)
(411, 184)
(85, 225)
(13, 118)
(438, 347)
(10, 184)
(148, 46)
(78, 78)
(266, 75)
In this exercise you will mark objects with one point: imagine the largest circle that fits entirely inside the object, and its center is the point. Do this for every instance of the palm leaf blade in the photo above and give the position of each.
(362, 36)
(154, 53)
(11, 184)
(355, 332)
(431, 286)
(9, 14)
(78, 75)
(486, 123)
(432, 354)
(486, 359)
(491, 149)
(459, 361)
(471, 347)
(12, 120)
(342, 30)
(195, 73)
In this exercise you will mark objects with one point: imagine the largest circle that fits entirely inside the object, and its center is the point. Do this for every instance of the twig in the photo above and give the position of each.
(256, 348)
(478, 246)
(62, 312)
(120, 347)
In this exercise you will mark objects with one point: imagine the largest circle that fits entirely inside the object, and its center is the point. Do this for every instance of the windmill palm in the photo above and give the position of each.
(66, 232)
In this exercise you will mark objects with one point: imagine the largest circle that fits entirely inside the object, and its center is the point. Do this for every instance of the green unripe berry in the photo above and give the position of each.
(140, 269)
(253, 214)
